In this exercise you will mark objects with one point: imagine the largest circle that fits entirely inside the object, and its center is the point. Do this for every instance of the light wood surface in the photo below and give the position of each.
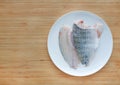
(24, 28)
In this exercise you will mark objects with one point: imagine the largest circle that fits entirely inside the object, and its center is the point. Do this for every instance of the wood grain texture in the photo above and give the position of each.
(24, 28)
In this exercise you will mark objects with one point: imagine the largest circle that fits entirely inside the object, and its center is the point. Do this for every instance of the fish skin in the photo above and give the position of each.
(85, 42)
(67, 49)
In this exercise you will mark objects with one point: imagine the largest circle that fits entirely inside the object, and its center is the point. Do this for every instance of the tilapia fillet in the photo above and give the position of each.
(79, 43)
(67, 48)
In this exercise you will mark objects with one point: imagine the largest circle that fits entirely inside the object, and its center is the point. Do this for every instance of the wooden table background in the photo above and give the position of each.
(24, 28)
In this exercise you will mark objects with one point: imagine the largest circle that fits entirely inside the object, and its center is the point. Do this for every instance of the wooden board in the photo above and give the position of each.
(24, 28)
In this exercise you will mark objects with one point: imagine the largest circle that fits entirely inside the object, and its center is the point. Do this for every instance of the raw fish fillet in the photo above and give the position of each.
(79, 43)
(67, 48)
(86, 40)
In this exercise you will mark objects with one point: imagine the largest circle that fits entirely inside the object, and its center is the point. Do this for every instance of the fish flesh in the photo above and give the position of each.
(67, 48)
(79, 43)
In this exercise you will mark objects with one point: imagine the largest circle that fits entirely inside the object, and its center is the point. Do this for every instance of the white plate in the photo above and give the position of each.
(103, 53)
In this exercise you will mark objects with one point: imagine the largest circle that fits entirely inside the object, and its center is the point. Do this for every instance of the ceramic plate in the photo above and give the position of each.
(103, 53)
